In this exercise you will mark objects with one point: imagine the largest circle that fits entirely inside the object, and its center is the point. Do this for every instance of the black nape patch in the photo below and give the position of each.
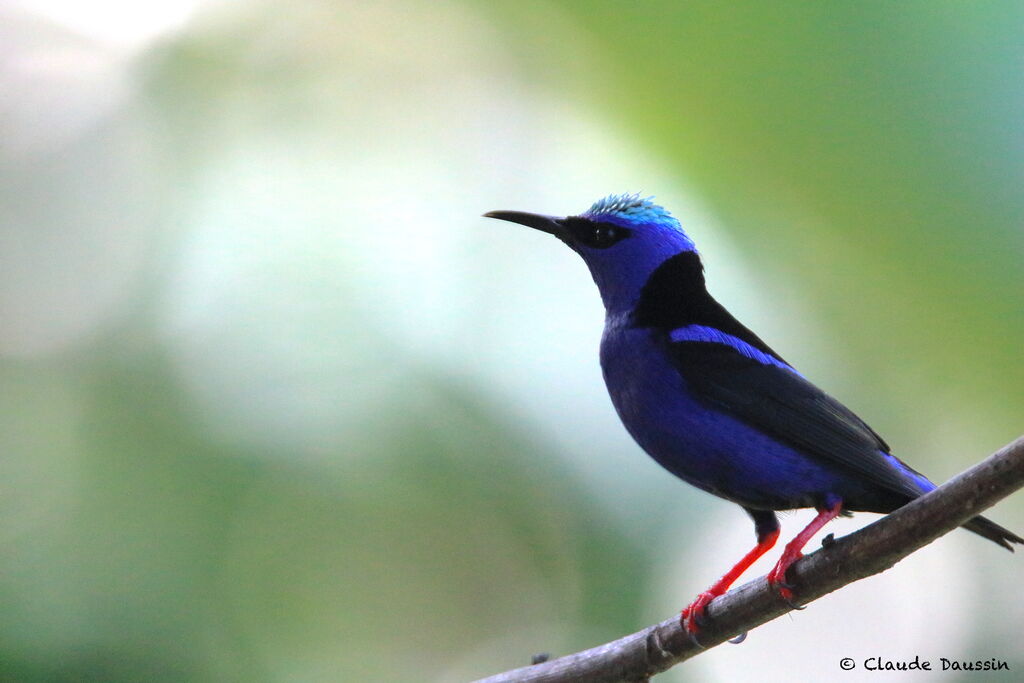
(675, 296)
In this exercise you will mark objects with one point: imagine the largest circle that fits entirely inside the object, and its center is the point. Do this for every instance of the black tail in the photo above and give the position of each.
(993, 532)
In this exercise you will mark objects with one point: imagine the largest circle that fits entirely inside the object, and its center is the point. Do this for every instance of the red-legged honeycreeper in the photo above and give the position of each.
(715, 405)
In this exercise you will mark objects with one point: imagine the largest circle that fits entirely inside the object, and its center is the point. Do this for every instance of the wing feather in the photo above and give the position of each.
(781, 403)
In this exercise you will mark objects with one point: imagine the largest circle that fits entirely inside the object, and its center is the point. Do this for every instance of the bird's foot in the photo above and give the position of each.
(777, 577)
(692, 617)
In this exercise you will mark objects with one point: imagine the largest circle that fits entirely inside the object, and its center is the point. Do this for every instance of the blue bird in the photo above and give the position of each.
(712, 403)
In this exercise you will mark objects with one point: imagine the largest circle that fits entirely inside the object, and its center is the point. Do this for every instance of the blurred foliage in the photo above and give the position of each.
(873, 149)
(276, 407)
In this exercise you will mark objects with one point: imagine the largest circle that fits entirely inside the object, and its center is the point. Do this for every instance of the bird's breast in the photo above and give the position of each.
(648, 393)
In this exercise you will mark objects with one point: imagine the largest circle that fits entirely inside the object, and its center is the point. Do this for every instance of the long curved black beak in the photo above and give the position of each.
(549, 224)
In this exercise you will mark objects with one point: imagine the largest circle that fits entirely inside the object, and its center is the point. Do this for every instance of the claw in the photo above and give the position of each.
(777, 577)
(785, 590)
(692, 617)
(787, 597)
(693, 638)
(777, 580)
(738, 639)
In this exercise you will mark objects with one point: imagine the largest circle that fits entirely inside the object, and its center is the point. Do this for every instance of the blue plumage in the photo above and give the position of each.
(711, 402)
(700, 333)
(709, 448)
(630, 210)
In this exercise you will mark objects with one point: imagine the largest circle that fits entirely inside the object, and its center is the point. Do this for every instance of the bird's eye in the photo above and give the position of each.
(604, 235)
(590, 233)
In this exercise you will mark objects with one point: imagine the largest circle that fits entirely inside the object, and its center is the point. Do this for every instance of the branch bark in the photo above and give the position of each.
(866, 552)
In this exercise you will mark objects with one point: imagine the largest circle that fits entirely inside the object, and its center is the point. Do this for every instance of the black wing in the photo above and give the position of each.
(784, 405)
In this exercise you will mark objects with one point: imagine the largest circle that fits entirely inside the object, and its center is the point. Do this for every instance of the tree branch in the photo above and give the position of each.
(866, 552)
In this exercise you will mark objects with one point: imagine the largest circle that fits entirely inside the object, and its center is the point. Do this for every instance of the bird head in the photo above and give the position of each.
(622, 239)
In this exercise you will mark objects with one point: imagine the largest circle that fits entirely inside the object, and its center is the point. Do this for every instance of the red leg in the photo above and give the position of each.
(777, 576)
(692, 614)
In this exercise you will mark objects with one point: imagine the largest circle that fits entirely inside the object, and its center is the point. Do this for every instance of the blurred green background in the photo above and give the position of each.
(277, 405)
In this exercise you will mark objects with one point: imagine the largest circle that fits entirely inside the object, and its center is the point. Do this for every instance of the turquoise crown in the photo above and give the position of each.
(631, 209)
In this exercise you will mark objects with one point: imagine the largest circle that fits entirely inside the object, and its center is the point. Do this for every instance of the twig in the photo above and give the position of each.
(869, 551)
